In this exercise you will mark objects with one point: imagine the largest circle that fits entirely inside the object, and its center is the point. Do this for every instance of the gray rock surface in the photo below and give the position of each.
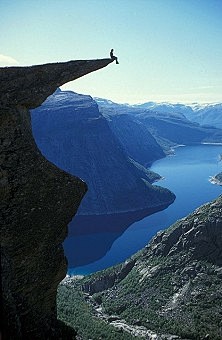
(38, 200)
(173, 285)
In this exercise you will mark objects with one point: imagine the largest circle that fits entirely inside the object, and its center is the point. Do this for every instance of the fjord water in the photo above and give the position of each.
(96, 243)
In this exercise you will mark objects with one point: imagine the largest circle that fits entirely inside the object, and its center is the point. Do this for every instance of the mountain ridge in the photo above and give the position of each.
(171, 289)
(168, 128)
(205, 114)
(73, 134)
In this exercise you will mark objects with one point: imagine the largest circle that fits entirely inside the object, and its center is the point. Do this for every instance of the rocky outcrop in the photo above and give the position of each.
(30, 86)
(218, 178)
(174, 284)
(37, 202)
(109, 279)
(199, 236)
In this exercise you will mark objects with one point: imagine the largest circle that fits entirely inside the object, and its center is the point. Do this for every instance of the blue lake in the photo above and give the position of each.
(95, 243)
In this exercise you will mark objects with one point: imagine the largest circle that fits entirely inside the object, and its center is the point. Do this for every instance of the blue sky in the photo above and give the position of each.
(169, 50)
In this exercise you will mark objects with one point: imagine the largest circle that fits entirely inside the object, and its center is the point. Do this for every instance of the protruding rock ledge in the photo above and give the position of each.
(38, 201)
(30, 86)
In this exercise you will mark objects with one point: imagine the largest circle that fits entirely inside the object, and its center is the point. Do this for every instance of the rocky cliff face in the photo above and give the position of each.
(71, 132)
(37, 202)
(173, 286)
(218, 178)
(134, 136)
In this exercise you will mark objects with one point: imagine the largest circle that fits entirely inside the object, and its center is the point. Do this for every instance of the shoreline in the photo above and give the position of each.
(214, 180)
(208, 143)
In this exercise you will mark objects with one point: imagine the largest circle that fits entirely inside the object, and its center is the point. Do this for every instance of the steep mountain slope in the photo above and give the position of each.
(172, 286)
(38, 200)
(168, 126)
(134, 136)
(71, 132)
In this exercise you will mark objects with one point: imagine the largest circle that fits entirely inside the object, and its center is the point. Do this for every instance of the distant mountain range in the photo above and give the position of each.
(168, 124)
(72, 133)
(109, 146)
(203, 114)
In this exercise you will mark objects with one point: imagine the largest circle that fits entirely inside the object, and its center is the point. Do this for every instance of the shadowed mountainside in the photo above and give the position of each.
(37, 202)
(168, 127)
(71, 132)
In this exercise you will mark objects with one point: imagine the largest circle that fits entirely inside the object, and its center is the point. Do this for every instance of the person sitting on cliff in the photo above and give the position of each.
(113, 57)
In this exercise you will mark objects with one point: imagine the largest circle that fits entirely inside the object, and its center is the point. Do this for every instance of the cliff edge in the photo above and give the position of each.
(38, 200)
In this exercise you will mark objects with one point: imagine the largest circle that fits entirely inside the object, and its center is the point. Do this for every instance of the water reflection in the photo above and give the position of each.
(100, 242)
(91, 237)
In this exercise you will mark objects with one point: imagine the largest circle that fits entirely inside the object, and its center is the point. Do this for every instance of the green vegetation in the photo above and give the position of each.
(148, 301)
(192, 317)
(172, 286)
(77, 313)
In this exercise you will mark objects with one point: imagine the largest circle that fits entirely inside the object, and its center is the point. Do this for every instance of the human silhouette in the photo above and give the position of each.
(113, 57)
